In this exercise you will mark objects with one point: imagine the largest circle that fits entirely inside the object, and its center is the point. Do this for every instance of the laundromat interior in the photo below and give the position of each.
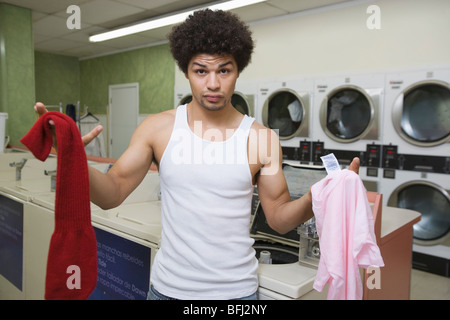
(359, 78)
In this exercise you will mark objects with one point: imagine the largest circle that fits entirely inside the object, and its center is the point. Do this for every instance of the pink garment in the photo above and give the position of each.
(345, 226)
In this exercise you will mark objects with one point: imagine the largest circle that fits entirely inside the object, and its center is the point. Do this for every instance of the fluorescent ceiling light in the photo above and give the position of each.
(167, 21)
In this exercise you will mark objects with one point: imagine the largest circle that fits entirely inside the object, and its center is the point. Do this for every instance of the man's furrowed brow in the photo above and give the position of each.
(199, 64)
(220, 65)
(225, 64)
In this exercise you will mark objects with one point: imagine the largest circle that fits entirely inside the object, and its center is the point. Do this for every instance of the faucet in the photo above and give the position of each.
(19, 166)
(52, 175)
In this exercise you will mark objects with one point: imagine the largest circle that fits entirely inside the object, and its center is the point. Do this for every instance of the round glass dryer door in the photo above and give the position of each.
(240, 104)
(432, 201)
(285, 112)
(347, 114)
(421, 115)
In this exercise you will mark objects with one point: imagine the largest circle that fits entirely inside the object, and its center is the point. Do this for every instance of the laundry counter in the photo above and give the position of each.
(295, 281)
(396, 250)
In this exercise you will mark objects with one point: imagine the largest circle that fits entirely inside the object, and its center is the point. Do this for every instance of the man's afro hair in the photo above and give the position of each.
(211, 32)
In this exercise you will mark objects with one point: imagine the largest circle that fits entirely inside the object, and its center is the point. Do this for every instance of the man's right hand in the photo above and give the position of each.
(40, 108)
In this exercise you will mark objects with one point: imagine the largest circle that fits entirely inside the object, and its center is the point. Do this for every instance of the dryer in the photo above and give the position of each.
(347, 114)
(183, 95)
(285, 107)
(245, 98)
(429, 194)
(417, 121)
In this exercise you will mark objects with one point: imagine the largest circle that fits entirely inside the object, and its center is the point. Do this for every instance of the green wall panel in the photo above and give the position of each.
(152, 67)
(17, 86)
(57, 79)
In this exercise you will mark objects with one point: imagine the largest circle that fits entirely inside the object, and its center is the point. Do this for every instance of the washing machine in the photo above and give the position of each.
(417, 121)
(12, 239)
(428, 194)
(128, 238)
(124, 253)
(22, 229)
(243, 99)
(287, 262)
(12, 156)
(347, 115)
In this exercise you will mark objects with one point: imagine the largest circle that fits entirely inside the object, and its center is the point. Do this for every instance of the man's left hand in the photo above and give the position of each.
(354, 166)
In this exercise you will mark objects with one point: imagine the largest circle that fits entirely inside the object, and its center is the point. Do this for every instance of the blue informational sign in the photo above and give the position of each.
(11, 240)
(123, 268)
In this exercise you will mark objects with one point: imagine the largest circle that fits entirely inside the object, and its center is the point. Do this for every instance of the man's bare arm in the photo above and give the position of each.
(282, 213)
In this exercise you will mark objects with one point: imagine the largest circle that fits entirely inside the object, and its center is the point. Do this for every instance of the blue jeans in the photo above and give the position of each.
(153, 294)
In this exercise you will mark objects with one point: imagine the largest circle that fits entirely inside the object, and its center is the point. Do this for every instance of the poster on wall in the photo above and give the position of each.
(11, 241)
(123, 268)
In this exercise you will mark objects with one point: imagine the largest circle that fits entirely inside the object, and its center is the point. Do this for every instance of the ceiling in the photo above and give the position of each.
(51, 33)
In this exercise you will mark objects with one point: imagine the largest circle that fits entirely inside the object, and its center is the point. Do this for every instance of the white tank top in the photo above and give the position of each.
(206, 191)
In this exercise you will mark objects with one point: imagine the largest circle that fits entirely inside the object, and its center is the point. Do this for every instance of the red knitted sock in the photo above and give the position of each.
(72, 257)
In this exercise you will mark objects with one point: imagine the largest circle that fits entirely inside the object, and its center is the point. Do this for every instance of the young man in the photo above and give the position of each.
(209, 157)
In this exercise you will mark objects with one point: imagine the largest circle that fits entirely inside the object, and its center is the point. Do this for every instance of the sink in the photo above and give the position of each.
(7, 158)
(8, 173)
(33, 178)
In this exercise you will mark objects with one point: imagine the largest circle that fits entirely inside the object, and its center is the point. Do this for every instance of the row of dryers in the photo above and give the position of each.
(398, 124)
(407, 113)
